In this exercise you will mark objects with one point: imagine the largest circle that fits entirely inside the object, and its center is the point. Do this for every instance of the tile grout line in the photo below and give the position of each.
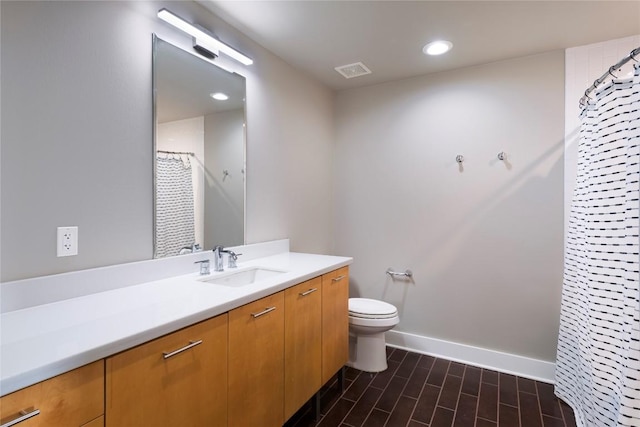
(402, 391)
(564, 418)
(422, 389)
(475, 417)
(373, 407)
(440, 393)
(455, 411)
(540, 406)
(518, 402)
(365, 390)
(342, 421)
(498, 403)
(337, 400)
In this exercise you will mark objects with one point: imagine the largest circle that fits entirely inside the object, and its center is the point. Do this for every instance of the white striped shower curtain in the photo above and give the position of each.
(598, 363)
(175, 227)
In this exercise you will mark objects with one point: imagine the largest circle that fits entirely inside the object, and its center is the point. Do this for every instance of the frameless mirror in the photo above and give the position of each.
(199, 144)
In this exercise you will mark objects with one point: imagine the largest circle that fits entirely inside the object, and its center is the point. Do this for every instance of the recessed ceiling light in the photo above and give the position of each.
(438, 47)
(219, 96)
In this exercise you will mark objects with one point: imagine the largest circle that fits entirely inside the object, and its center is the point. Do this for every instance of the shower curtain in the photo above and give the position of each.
(175, 227)
(598, 362)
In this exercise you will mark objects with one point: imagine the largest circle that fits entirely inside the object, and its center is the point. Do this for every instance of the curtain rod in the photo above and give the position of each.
(597, 82)
(189, 153)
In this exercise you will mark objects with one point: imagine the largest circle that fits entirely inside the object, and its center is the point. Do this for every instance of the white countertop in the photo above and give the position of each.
(42, 341)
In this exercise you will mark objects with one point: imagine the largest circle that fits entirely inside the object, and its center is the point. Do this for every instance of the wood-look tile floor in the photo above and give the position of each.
(418, 390)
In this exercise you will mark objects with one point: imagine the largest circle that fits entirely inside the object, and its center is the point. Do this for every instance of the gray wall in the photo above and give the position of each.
(76, 138)
(485, 242)
(224, 195)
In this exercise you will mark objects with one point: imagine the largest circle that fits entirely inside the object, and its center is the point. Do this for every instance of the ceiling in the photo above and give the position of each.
(388, 36)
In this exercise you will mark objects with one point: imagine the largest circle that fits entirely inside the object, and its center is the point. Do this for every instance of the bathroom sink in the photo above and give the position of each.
(243, 277)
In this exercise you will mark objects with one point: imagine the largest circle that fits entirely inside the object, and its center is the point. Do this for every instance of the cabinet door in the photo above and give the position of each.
(335, 322)
(176, 380)
(98, 422)
(256, 363)
(302, 344)
(71, 399)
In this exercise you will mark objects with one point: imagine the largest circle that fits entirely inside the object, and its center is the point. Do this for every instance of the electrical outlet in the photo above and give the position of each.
(67, 241)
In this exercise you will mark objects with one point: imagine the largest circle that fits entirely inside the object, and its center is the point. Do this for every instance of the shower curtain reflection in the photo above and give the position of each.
(174, 204)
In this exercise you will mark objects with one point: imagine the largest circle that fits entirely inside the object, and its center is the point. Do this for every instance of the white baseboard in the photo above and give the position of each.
(534, 369)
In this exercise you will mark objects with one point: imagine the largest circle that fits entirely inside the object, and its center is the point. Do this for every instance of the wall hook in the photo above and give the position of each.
(459, 158)
(502, 155)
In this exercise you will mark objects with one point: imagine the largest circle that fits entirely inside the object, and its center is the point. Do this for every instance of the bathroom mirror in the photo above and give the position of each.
(199, 144)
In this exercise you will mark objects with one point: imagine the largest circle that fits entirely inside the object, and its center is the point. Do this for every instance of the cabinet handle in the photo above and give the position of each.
(337, 279)
(310, 291)
(263, 312)
(180, 350)
(22, 416)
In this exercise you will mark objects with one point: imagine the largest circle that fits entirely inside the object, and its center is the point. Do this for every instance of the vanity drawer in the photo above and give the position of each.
(71, 399)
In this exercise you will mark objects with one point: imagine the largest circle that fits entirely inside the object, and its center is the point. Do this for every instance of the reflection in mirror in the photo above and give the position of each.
(199, 144)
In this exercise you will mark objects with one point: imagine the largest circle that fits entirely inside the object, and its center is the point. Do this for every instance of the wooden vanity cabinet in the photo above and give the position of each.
(335, 322)
(256, 363)
(302, 344)
(98, 422)
(176, 380)
(253, 366)
(72, 399)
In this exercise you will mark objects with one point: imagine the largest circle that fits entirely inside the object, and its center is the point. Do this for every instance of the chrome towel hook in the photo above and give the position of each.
(502, 155)
(459, 158)
(407, 273)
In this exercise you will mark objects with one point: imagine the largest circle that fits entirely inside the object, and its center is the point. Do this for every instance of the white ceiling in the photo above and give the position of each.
(388, 36)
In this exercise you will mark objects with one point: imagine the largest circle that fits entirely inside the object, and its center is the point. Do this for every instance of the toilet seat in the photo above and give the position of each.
(365, 308)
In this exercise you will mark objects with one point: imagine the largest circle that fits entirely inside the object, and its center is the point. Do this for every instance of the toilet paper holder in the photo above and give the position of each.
(406, 273)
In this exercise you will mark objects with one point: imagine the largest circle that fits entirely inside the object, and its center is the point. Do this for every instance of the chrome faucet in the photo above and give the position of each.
(217, 258)
(204, 267)
(218, 263)
(233, 257)
(190, 249)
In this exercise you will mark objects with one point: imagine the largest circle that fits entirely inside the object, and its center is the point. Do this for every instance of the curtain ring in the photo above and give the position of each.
(611, 72)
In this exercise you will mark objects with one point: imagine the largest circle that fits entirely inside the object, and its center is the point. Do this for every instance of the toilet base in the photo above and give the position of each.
(368, 352)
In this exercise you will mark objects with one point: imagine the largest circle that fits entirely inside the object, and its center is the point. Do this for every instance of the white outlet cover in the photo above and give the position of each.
(67, 241)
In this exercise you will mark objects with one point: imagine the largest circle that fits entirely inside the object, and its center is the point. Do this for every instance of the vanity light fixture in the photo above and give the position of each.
(437, 47)
(219, 96)
(203, 39)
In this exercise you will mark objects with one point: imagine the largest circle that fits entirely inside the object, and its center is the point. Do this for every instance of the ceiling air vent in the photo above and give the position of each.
(353, 70)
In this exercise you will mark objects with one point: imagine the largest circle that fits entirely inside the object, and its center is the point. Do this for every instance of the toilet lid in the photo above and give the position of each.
(371, 309)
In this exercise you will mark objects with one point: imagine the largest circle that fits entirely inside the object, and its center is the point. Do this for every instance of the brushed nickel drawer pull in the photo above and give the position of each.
(263, 312)
(23, 416)
(310, 291)
(180, 350)
(337, 279)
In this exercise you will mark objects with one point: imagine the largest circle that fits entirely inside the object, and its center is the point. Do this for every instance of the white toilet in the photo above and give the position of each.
(369, 319)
